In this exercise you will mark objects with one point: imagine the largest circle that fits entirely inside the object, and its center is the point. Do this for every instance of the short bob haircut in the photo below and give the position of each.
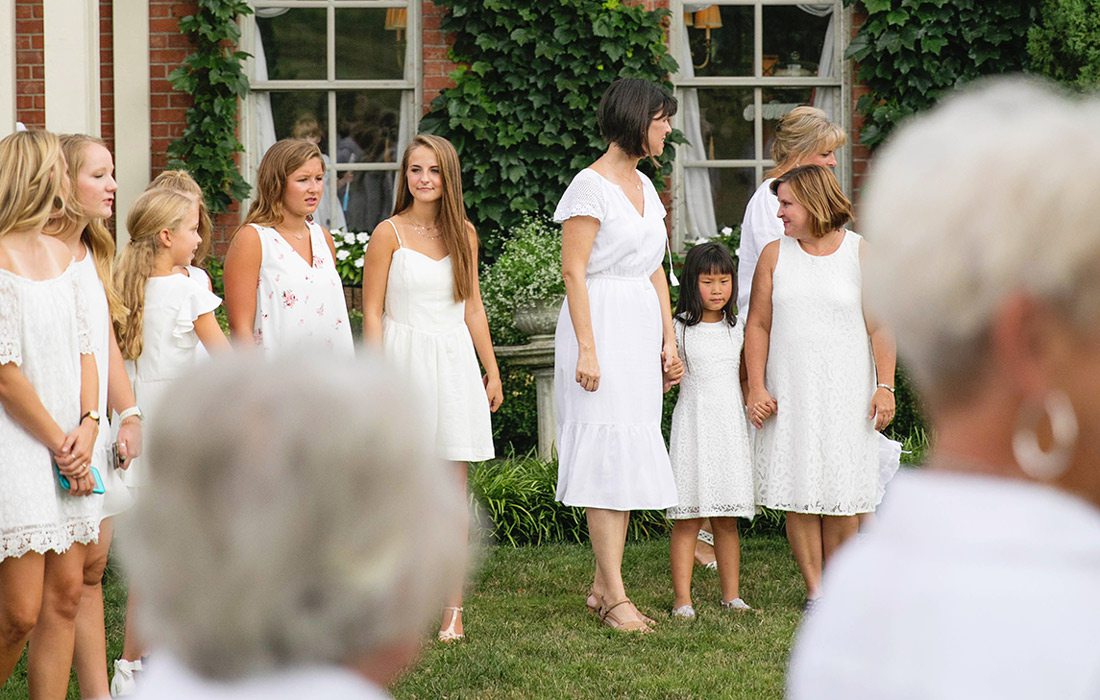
(627, 108)
(280, 539)
(816, 189)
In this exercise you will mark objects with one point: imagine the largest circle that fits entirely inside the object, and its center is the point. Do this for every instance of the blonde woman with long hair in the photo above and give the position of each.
(83, 228)
(422, 305)
(281, 284)
(48, 422)
(181, 181)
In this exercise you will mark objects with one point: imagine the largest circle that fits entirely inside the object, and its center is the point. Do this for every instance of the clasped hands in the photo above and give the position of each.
(73, 457)
(760, 406)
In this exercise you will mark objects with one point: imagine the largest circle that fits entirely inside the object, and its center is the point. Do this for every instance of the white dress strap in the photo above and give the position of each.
(399, 243)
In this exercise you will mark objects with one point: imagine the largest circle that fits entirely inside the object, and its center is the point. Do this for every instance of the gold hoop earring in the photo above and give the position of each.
(1046, 466)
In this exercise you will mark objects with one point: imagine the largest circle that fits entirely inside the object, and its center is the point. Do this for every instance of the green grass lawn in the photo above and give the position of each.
(529, 635)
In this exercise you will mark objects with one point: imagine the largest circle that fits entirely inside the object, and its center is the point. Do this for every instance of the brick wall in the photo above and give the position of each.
(167, 49)
(436, 44)
(106, 75)
(861, 155)
(30, 70)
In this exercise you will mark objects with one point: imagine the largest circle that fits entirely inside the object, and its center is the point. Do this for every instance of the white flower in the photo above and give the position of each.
(342, 255)
(726, 230)
(359, 262)
(362, 237)
(349, 238)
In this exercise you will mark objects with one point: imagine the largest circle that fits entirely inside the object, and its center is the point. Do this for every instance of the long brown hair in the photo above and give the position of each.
(278, 163)
(95, 235)
(452, 210)
(32, 180)
(181, 181)
(155, 210)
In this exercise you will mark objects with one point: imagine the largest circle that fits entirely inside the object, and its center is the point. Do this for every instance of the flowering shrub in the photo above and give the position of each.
(349, 256)
(527, 270)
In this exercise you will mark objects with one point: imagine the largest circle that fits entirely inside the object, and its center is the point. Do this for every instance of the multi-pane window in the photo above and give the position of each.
(344, 73)
(743, 65)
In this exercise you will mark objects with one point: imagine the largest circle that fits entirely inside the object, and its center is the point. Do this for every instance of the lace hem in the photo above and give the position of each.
(822, 509)
(714, 511)
(42, 539)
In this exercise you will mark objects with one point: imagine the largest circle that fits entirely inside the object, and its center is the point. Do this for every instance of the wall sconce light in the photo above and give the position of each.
(707, 19)
(397, 19)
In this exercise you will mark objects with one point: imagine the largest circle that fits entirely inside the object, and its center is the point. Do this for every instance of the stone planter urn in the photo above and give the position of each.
(538, 318)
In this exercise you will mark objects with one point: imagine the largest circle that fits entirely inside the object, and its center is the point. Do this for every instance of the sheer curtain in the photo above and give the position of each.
(698, 200)
(825, 99)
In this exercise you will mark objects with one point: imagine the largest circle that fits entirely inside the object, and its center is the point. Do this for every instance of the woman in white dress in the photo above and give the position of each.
(614, 338)
(83, 229)
(281, 284)
(49, 398)
(820, 373)
(422, 305)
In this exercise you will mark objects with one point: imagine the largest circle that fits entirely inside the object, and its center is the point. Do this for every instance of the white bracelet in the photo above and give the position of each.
(887, 387)
(130, 412)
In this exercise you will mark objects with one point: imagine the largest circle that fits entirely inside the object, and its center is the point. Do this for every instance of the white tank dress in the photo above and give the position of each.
(611, 453)
(299, 302)
(820, 452)
(116, 497)
(709, 446)
(43, 331)
(424, 335)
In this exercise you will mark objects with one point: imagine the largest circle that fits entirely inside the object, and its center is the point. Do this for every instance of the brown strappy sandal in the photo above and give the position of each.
(617, 624)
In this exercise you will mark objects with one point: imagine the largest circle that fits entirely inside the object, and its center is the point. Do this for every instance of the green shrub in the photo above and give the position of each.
(1065, 44)
(516, 424)
(522, 113)
(528, 269)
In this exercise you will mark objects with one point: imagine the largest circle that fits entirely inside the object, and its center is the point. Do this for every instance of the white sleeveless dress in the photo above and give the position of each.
(116, 497)
(43, 331)
(424, 335)
(300, 303)
(820, 452)
(611, 453)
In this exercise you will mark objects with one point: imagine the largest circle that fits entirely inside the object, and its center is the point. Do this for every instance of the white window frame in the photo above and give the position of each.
(757, 81)
(412, 86)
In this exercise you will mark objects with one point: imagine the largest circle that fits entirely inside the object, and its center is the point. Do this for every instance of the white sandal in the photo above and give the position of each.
(449, 634)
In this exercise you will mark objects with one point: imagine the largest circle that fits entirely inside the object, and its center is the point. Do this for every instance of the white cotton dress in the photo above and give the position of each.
(116, 497)
(820, 452)
(170, 346)
(710, 447)
(611, 453)
(43, 331)
(424, 334)
(300, 303)
(760, 226)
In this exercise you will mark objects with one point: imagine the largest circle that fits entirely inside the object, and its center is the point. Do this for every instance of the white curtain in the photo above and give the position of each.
(825, 99)
(263, 133)
(698, 202)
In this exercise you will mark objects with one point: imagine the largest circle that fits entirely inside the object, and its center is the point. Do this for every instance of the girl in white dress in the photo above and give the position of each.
(167, 316)
(812, 358)
(181, 181)
(709, 446)
(282, 289)
(422, 305)
(48, 416)
(83, 229)
(614, 333)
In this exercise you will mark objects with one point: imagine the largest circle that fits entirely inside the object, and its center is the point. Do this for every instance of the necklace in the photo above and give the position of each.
(297, 236)
(423, 230)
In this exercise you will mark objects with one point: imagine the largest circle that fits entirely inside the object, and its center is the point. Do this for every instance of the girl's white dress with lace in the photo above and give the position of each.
(43, 331)
(709, 446)
(819, 453)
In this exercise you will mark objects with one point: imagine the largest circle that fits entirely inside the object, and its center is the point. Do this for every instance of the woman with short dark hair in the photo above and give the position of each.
(614, 339)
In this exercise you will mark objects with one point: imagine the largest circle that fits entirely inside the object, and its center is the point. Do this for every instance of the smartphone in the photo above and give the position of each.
(64, 480)
(116, 458)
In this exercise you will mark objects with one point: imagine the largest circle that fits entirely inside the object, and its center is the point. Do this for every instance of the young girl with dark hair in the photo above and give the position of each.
(709, 447)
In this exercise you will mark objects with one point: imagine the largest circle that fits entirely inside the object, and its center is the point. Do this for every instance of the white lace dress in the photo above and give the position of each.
(298, 302)
(819, 453)
(710, 448)
(116, 497)
(611, 453)
(43, 331)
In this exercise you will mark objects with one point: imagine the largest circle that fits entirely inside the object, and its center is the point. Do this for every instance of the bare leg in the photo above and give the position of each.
(452, 615)
(90, 651)
(21, 581)
(133, 646)
(682, 559)
(804, 534)
(835, 531)
(607, 532)
(727, 548)
(51, 642)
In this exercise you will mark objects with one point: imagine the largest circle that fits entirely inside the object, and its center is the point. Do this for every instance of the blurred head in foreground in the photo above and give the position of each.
(275, 532)
(986, 262)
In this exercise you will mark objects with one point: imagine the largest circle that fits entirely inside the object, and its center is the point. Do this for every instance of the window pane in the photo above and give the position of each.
(371, 43)
(366, 196)
(721, 40)
(730, 190)
(368, 123)
(779, 101)
(725, 121)
(299, 108)
(294, 44)
(794, 38)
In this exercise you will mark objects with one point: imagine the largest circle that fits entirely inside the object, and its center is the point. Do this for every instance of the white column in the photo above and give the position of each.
(7, 67)
(71, 43)
(133, 138)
